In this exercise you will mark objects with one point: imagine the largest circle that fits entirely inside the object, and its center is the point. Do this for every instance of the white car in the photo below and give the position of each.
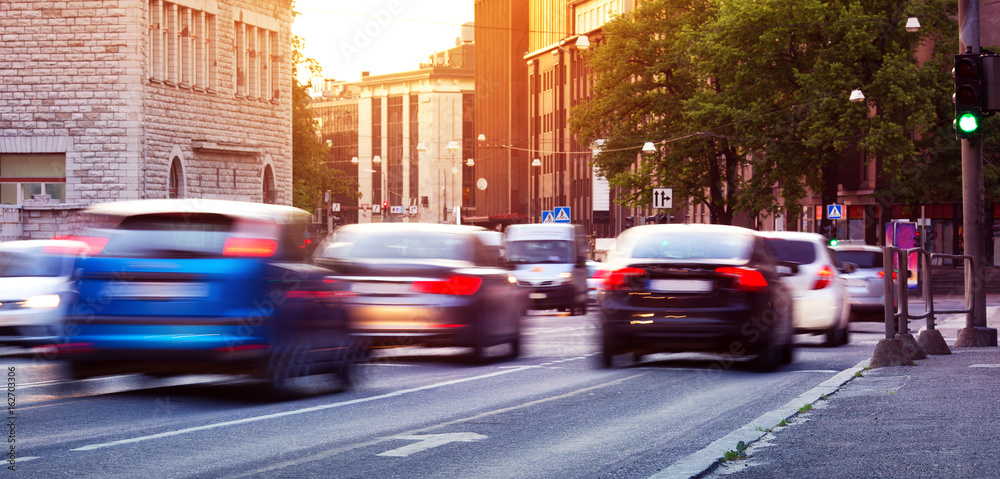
(821, 300)
(35, 282)
(595, 276)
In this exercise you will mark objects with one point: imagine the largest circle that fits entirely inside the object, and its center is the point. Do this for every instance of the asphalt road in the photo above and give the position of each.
(417, 413)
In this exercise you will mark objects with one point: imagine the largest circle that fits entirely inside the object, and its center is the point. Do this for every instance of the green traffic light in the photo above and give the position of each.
(968, 123)
(833, 242)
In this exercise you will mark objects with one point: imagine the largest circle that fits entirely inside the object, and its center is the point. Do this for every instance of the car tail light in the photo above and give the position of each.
(257, 247)
(601, 274)
(881, 274)
(457, 285)
(620, 279)
(95, 244)
(823, 278)
(749, 280)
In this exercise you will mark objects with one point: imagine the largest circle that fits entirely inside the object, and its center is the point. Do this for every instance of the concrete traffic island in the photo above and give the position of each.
(976, 338)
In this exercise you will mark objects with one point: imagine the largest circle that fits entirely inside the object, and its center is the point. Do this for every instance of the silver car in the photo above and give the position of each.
(35, 285)
(866, 283)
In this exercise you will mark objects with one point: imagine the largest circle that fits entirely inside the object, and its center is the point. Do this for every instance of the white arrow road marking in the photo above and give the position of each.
(428, 441)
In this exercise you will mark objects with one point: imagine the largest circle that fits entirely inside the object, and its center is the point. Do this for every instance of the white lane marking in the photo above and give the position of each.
(265, 471)
(702, 461)
(428, 441)
(29, 458)
(984, 366)
(295, 412)
(825, 371)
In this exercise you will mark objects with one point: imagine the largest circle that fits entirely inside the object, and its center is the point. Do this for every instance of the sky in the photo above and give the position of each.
(347, 37)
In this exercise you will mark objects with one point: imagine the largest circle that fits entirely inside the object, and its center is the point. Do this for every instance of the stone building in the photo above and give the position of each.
(103, 101)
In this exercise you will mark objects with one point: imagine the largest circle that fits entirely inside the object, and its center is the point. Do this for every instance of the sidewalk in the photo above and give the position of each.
(938, 419)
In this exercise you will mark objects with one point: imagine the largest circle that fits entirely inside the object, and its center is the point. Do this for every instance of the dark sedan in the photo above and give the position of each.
(424, 284)
(707, 288)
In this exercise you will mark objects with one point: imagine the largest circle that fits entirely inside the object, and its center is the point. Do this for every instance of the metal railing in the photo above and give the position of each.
(898, 316)
(10, 223)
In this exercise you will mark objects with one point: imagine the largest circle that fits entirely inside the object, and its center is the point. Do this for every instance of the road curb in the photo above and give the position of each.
(707, 459)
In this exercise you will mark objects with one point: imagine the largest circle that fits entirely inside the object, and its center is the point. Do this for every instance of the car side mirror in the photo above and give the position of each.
(848, 267)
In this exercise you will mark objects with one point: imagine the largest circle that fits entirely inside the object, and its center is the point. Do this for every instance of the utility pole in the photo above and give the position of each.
(975, 331)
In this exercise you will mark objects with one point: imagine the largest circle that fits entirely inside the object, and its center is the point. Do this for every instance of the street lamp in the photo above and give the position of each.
(534, 163)
(453, 146)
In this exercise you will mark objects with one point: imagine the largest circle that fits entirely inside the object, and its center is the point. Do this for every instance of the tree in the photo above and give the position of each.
(759, 95)
(311, 176)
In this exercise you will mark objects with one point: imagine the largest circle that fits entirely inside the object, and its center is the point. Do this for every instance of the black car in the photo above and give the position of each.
(175, 287)
(687, 287)
(420, 284)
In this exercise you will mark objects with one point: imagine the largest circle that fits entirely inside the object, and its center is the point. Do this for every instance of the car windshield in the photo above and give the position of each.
(17, 265)
(540, 251)
(692, 245)
(796, 251)
(864, 259)
(411, 245)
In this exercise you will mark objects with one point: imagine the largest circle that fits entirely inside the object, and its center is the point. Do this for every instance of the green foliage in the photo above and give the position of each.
(311, 176)
(783, 423)
(858, 374)
(739, 453)
(748, 97)
(806, 408)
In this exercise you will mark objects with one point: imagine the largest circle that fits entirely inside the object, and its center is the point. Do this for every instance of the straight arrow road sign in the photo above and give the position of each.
(428, 441)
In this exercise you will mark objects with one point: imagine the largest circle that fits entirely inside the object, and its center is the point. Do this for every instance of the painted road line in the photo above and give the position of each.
(429, 441)
(295, 412)
(702, 461)
(268, 471)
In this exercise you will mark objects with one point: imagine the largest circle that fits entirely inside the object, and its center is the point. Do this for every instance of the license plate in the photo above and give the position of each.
(856, 283)
(537, 296)
(679, 285)
(380, 288)
(157, 290)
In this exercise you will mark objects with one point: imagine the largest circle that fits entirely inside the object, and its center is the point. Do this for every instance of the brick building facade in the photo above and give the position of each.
(104, 101)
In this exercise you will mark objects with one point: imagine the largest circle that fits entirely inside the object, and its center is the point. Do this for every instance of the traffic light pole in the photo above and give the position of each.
(976, 333)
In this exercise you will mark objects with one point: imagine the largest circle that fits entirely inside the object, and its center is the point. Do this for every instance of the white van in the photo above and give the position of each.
(550, 261)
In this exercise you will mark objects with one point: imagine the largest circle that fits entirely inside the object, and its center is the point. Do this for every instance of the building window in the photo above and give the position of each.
(257, 56)
(175, 181)
(414, 141)
(394, 160)
(269, 196)
(24, 175)
(181, 45)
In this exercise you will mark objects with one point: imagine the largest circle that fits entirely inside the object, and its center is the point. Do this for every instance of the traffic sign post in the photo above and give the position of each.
(663, 198)
(547, 216)
(835, 212)
(561, 214)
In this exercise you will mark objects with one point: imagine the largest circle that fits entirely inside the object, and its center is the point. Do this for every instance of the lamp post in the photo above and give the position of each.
(453, 146)
(534, 163)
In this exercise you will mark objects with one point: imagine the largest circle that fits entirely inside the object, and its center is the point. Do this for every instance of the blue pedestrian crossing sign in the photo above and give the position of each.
(547, 216)
(834, 212)
(562, 214)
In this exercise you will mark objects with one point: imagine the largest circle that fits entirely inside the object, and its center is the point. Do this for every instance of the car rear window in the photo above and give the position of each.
(796, 251)
(692, 245)
(411, 245)
(174, 235)
(864, 259)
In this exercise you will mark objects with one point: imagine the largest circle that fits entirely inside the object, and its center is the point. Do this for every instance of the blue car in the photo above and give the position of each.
(174, 287)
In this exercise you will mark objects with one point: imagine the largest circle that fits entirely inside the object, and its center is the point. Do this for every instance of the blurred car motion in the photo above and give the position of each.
(865, 284)
(818, 291)
(35, 287)
(174, 287)
(595, 278)
(424, 284)
(694, 287)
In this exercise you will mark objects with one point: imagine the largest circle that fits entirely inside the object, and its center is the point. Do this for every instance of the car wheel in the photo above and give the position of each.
(583, 308)
(288, 360)
(836, 336)
(771, 353)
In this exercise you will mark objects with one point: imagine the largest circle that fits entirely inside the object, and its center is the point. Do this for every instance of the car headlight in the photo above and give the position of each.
(42, 301)
(566, 275)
